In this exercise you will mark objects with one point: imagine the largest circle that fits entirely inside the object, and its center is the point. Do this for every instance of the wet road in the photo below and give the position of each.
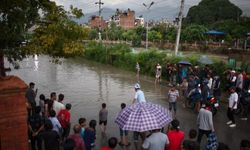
(86, 85)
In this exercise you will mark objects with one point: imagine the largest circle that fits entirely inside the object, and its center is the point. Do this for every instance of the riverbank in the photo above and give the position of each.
(120, 55)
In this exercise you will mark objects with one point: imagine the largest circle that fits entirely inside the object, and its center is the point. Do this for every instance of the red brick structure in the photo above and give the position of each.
(96, 22)
(13, 114)
(127, 19)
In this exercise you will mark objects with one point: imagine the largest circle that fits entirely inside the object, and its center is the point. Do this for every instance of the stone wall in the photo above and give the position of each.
(13, 114)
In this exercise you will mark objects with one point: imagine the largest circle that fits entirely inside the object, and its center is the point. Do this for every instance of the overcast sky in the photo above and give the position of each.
(89, 5)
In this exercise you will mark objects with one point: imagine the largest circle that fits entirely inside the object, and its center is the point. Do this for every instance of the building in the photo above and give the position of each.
(97, 22)
(127, 19)
(124, 19)
(139, 21)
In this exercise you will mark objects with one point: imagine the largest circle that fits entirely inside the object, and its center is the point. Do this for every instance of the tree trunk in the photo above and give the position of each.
(2, 70)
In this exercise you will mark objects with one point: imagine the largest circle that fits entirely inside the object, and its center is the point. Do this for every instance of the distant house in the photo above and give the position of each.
(97, 22)
(139, 21)
(124, 19)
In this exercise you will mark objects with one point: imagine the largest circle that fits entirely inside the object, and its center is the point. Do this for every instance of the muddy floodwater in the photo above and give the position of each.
(86, 85)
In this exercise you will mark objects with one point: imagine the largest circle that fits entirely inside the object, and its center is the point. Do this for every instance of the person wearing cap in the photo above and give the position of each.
(175, 136)
(232, 105)
(139, 95)
(205, 121)
(233, 78)
(139, 98)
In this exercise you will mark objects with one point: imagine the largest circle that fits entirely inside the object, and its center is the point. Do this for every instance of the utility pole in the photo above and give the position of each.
(179, 28)
(148, 7)
(100, 3)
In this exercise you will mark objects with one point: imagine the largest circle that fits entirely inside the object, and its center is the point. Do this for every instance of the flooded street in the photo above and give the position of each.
(86, 85)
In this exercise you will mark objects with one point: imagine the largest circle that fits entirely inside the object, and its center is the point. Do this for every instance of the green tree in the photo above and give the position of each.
(171, 34)
(129, 35)
(114, 32)
(234, 29)
(210, 11)
(162, 28)
(16, 17)
(193, 33)
(58, 35)
(141, 32)
(154, 35)
(93, 34)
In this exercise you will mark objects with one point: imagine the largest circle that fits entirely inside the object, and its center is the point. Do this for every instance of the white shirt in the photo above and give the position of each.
(173, 95)
(156, 141)
(56, 124)
(233, 99)
(210, 82)
(139, 96)
(234, 78)
(58, 107)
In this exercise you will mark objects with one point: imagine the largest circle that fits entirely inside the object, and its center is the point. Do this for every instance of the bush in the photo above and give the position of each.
(120, 55)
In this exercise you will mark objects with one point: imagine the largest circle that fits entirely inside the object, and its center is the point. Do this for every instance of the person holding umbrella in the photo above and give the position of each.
(139, 98)
(139, 95)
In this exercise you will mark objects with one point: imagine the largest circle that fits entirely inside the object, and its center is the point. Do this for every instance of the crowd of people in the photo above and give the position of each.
(49, 121)
(198, 84)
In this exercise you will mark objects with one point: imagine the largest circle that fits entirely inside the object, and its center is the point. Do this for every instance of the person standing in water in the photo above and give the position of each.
(139, 95)
(137, 67)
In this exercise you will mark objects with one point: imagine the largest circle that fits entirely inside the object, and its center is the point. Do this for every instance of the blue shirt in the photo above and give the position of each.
(139, 96)
(89, 138)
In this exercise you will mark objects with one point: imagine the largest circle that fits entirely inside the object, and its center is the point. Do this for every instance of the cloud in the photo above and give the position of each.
(90, 6)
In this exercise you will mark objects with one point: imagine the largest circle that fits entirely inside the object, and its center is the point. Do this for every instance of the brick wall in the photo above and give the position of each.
(127, 20)
(96, 22)
(13, 114)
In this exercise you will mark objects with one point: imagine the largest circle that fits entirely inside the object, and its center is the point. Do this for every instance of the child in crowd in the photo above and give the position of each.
(175, 136)
(36, 125)
(111, 144)
(64, 119)
(42, 103)
(184, 90)
(173, 95)
(90, 135)
(56, 124)
(191, 143)
(50, 137)
(103, 116)
(83, 123)
(123, 133)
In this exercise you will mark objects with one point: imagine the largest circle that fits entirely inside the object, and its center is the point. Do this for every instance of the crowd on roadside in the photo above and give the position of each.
(49, 121)
(198, 84)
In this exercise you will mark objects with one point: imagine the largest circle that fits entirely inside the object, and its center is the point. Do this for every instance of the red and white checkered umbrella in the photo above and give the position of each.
(142, 117)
